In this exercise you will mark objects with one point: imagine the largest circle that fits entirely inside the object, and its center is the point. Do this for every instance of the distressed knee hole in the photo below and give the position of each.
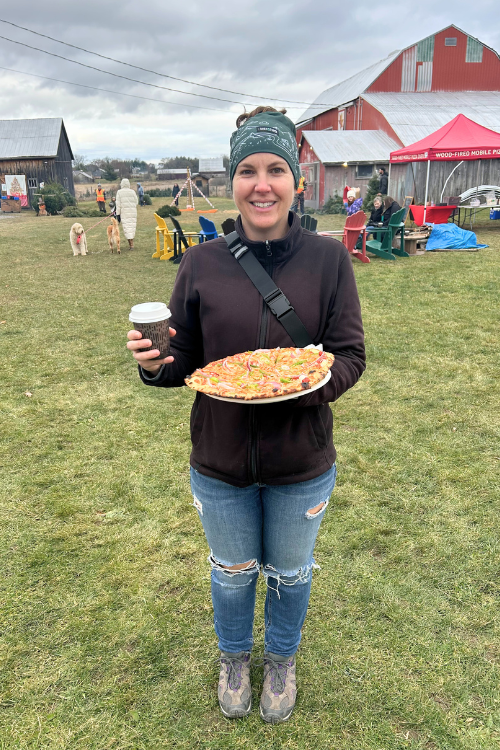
(317, 509)
(198, 505)
(242, 566)
(252, 566)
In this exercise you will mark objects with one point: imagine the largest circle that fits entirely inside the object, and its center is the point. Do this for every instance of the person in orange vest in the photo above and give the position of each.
(299, 196)
(101, 198)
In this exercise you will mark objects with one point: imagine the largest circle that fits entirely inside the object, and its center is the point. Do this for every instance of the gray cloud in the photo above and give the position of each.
(291, 50)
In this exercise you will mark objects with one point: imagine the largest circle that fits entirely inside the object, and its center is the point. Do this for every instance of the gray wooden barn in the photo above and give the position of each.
(38, 149)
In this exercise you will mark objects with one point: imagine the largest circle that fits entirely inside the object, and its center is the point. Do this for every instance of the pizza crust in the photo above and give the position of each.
(265, 373)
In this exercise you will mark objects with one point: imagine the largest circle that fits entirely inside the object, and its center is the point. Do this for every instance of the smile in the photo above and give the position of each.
(263, 205)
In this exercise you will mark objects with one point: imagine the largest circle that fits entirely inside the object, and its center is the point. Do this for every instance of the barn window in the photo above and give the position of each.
(450, 41)
(32, 182)
(363, 171)
(474, 51)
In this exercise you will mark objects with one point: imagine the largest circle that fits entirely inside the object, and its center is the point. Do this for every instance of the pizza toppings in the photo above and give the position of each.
(264, 373)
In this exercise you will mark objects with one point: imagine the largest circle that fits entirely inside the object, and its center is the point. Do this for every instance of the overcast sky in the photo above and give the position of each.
(290, 50)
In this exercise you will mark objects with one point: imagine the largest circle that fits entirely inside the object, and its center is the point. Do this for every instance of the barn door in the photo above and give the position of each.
(311, 173)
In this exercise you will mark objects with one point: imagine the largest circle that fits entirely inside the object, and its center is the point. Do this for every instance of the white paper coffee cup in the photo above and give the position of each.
(152, 320)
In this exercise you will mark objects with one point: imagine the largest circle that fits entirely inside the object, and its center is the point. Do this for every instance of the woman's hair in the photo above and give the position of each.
(378, 199)
(257, 111)
(388, 202)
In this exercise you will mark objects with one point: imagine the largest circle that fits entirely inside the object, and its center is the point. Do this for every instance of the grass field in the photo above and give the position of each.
(106, 637)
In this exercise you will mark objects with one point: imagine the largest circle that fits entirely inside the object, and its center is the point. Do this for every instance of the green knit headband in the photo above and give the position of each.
(269, 133)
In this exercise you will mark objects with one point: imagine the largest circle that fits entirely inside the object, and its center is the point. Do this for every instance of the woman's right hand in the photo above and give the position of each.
(136, 343)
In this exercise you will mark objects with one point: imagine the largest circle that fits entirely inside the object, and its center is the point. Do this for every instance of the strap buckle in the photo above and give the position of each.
(278, 303)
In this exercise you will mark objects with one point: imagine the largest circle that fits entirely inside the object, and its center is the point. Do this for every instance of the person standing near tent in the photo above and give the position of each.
(101, 199)
(261, 475)
(299, 196)
(126, 210)
(383, 182)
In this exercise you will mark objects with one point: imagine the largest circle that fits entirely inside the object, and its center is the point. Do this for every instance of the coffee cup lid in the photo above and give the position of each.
(149, 312)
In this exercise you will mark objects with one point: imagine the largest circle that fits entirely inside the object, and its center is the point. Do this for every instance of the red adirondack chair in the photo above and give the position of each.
(353, 227)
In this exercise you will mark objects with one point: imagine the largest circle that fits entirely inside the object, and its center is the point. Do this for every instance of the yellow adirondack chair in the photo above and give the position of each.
(168, 242)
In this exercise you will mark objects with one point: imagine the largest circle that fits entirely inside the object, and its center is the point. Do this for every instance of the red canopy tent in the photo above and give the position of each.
(460, 138)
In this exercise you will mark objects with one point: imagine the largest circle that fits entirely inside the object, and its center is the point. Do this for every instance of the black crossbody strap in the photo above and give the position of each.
(273, 296)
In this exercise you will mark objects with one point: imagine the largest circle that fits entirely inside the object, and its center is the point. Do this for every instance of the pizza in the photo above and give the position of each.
(264, 373)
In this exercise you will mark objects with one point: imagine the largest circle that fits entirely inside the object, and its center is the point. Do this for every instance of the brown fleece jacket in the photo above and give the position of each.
(217, 312)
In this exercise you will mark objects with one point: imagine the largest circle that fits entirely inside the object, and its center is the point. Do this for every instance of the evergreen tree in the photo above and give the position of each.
(371, 191)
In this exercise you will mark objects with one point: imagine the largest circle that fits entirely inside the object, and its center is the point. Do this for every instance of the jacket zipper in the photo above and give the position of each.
(262, 342)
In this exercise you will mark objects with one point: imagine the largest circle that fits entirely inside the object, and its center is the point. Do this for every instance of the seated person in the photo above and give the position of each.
(377, 211)
(353, 205)
(390, 207)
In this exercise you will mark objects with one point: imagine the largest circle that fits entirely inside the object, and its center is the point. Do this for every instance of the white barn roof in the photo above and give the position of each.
(414, 116)
(355, 146)
(30, 138)
(348, 90)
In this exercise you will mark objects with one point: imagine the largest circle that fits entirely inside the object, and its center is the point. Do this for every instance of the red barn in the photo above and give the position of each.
(409, 95)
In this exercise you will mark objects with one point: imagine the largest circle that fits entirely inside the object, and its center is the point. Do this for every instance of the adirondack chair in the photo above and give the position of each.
(354, 225)
(168, 242)
(228, 226)
(186, 238)
(208, 229)
(308, 222)
(384, 248)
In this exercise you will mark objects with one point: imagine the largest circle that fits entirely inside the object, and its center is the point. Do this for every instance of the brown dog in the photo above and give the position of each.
(114, 236)
(78, 240)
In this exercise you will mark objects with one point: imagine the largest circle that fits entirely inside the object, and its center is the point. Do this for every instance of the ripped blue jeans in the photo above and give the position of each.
(264, 527)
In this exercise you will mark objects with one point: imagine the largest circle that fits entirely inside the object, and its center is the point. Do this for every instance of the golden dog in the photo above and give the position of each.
(78, 239)
(114, 236)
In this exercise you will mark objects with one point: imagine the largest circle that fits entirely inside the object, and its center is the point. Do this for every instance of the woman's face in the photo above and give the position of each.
(377, 203)
(263, 190)
(350, 200)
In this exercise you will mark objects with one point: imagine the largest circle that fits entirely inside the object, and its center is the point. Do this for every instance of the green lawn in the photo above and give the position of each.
(106, 637)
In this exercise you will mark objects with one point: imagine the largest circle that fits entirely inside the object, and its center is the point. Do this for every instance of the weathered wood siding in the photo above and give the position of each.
(409, 179)
(63, 163)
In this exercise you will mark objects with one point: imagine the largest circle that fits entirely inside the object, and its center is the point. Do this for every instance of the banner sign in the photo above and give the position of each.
(450, 155)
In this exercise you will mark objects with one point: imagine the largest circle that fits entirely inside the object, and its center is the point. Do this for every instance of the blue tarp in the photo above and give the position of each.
(450, 236)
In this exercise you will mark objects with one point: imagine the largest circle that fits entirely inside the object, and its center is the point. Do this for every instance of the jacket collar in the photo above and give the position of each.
(282, 249)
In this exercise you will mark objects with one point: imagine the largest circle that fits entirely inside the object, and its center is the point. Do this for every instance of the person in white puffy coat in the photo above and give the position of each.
(126, 210)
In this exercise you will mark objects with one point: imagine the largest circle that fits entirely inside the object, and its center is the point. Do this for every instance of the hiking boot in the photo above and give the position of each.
(280, 688)
(234, 691)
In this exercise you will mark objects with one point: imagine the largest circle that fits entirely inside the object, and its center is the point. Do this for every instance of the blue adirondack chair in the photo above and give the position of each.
(384, 248)
(208, 230)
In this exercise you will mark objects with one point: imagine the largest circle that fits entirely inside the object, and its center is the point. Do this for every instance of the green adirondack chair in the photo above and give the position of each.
(384, 248)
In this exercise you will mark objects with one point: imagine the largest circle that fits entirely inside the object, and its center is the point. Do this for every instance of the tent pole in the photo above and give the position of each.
(426, 189)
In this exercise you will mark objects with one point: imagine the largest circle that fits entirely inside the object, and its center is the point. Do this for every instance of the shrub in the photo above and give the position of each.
(160, 192)
(372, 190)
(72, 212)
(166, 211)
(309, 211)
(334, 205)
(55, 197)
(147, 199)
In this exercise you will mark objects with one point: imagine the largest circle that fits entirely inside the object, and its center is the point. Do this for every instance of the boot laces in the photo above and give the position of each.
(234, 666)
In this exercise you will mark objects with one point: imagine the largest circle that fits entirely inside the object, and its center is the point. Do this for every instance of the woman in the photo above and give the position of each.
(390, 207)
(261, 476)
(353, 204)
(377, 211)
(126, 210)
